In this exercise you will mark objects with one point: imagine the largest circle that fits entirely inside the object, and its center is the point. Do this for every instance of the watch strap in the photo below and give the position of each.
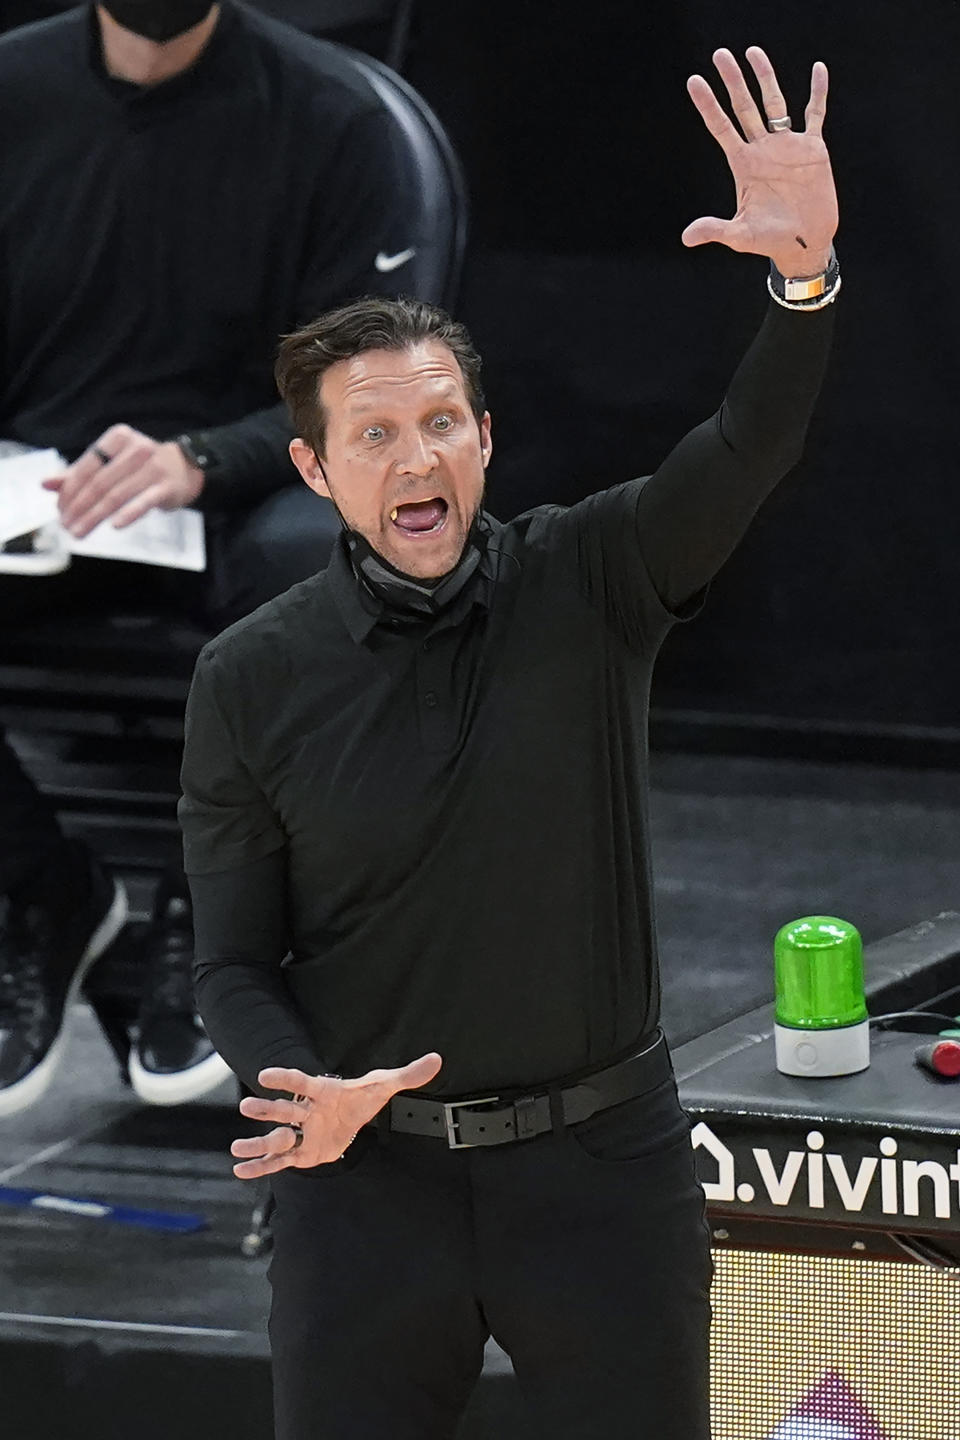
(196, 449)
(809, 292)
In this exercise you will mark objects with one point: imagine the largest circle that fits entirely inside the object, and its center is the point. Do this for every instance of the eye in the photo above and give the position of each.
(443, 422)
(374, 433)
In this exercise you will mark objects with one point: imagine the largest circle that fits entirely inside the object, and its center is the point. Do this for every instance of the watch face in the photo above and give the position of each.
(196, 451)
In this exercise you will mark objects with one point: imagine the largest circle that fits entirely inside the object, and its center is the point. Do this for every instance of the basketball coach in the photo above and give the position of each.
(415, 822)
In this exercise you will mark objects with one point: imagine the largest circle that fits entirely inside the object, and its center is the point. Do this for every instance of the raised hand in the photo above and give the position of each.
(786, 199)
(320, 1123)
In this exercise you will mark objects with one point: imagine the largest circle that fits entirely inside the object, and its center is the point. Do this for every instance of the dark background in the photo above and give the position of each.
(605, 340)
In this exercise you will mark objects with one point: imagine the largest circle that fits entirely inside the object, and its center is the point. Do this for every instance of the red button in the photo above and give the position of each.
(946, 1057)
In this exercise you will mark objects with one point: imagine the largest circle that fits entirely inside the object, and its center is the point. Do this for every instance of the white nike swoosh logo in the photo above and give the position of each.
(393, 262)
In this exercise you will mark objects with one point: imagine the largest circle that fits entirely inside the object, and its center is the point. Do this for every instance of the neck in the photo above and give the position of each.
(145, 62)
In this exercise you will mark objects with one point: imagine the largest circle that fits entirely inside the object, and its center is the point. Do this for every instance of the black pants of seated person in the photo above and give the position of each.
(585, 1254)
(251, 557)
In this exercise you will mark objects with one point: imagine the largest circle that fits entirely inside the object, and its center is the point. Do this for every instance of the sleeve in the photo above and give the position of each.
(224, 815)
(253, 459)
(236, 866)
(648, 549)
(358, 215)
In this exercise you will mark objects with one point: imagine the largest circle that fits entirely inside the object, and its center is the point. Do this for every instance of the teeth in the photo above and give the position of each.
(393, 513)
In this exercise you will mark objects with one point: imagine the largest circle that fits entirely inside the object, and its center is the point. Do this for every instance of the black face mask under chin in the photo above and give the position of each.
(403, 594)
(158, 20)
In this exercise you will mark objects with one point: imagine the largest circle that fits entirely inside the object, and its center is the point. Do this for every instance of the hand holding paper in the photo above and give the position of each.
(122, 477)
(28, 503)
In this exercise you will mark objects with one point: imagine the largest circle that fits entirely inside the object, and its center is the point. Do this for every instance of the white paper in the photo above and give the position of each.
(161, 537)
(24, 504)
(174, 538)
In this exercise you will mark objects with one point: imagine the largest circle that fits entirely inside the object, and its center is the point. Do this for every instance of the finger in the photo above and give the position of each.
(297, 1082)
(280, 1141)
(53, 484)
(773, 101)
(282, 1111)
(816, 110)
(120, 495)
(111, 446)
(257, 1169)
(421, 1072)
(713, 115)
(386, 1083)
(741, 101)
(149, 499)
(112, 442)
(89, 502)
(710, 229)
(76, 476)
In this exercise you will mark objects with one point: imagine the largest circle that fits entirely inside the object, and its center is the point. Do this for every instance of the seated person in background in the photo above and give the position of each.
(180, 183)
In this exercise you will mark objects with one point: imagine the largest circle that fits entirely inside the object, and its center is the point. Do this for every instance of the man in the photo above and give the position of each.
(180, 182)
(423, 776)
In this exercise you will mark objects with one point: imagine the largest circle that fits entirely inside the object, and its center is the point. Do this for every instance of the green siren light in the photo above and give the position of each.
(822, 1026)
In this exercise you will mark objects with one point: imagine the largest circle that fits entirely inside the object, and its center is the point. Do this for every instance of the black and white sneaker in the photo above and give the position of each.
(172, 1060)
(51, 933)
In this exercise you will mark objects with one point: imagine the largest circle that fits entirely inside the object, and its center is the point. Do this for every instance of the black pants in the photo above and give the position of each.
(252, 556)
(585, 1254)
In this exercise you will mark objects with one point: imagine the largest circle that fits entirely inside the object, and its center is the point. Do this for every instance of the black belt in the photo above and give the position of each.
(466, 1123)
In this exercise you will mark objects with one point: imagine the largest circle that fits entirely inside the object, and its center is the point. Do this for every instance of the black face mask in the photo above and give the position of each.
(405, 596)
(158, 20)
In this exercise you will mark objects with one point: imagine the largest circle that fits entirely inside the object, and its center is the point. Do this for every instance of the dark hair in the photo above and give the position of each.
(368, 324)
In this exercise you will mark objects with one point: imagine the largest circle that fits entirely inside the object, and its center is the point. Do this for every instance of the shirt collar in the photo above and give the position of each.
(361, 611)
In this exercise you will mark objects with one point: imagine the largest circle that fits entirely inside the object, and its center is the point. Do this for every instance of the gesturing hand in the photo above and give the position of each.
(122, 476)
(786, 199)
(327, 1111)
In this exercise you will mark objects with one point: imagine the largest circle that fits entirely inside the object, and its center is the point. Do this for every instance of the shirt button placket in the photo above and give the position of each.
(431, 688)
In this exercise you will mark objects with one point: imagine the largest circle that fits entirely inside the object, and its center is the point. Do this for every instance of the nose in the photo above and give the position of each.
(416, 455)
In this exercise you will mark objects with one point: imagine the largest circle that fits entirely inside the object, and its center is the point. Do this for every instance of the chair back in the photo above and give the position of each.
(436, 198)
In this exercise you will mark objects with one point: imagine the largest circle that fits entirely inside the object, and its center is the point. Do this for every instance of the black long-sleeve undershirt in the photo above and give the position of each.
(242, 996)
(714, 481)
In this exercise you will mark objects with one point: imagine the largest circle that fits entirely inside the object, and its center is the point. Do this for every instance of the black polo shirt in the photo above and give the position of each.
(443, 825)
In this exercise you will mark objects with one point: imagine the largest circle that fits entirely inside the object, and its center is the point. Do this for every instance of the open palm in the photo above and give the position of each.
(317, 1126)
(786, 198)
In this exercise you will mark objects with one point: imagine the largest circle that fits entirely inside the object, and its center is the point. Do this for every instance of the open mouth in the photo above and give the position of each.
(420, 517)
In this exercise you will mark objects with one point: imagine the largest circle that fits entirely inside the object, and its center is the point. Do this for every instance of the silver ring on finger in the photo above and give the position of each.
(101, 455)
(297, 1137)
(782, 122)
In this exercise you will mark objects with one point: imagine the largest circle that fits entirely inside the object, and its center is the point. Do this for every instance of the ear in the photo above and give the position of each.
(486, 439)
(311, 469)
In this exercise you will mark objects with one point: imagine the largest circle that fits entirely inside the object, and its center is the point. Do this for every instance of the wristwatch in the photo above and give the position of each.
(197, 450)
(809, 293)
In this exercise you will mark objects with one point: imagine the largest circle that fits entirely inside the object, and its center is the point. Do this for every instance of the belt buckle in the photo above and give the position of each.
(451, 1121)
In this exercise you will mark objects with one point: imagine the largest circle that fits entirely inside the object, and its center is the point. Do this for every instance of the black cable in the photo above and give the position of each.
(921, 1248)
(952, 1021)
